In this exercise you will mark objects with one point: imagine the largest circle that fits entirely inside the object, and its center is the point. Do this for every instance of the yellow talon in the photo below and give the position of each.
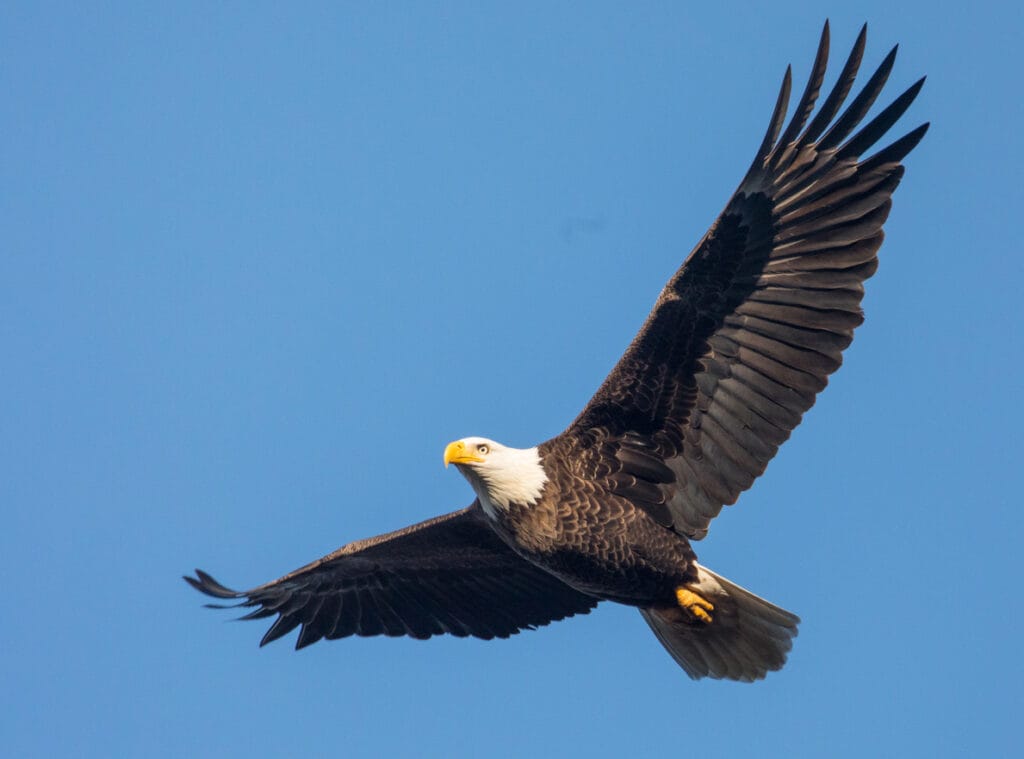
(697, 605)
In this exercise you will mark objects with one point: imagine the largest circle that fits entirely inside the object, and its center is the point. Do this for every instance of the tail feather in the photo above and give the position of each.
(747, 638)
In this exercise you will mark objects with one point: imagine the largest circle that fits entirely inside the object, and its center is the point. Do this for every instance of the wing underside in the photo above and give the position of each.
(451, 574)
(745, 335)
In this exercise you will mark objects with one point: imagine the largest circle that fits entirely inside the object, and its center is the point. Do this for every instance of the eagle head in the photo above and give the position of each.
(500, 475)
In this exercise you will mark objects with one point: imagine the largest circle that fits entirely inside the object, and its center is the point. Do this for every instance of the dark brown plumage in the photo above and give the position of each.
(739, 343)
(451, 574)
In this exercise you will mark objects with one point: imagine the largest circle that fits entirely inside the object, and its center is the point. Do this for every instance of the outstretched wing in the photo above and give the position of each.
(745, 334)
(451, 574)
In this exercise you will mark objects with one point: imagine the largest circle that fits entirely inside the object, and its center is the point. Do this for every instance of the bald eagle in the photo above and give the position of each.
(739, 343)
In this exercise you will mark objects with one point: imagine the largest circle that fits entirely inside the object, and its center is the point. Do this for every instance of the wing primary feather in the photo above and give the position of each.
(283, 625)
(294, 603)
(860, 105)
(865, 191)
(878, 126)
(260, 613)
(897, 151)
(775, 124)
(840, 90)
(824, 175)
(807, 100)
(312, 627)
(206, 584)
(275, 600)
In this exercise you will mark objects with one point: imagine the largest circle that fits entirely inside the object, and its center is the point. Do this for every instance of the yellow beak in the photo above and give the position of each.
(456, 453)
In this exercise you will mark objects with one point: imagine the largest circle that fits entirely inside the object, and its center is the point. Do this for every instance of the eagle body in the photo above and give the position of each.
(589, 536)
(737, 347)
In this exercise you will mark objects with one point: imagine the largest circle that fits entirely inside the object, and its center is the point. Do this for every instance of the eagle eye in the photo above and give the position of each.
(482, 449)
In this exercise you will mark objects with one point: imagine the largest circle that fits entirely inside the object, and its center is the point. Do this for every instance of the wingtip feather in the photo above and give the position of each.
(810, 95)
(775, 123)
(897, 151)
(874, 130)
(205, 583)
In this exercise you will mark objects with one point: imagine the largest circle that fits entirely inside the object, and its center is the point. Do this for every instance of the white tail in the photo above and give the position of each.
(747, 637)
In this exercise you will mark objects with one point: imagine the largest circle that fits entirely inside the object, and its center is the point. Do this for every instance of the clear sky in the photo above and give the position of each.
(257, 267)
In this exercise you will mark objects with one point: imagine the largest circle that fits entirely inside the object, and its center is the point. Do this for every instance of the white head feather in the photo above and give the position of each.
(500, 475)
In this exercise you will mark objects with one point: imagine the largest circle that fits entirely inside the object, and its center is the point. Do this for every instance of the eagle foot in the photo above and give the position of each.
(695, 604)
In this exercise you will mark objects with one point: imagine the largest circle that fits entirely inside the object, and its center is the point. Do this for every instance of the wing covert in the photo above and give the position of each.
(451, 574)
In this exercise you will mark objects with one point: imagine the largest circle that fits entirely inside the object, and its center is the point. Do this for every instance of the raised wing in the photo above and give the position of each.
(451, 574)
(745, 334)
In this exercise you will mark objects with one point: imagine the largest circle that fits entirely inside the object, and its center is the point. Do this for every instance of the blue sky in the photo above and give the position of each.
(258, 266)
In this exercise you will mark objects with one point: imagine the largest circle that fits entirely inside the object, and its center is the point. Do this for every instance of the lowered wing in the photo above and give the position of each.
(745, 335)
(451, 574)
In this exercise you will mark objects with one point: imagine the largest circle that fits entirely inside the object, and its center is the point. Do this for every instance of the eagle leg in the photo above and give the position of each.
(696, 605)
